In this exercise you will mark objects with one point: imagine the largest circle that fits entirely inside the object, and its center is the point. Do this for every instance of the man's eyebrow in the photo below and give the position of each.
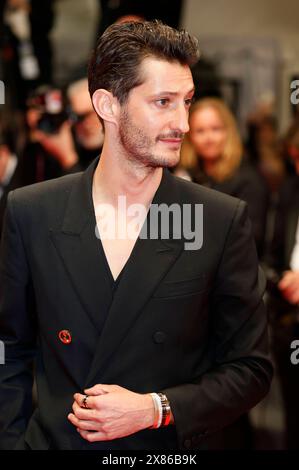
(173, 93)
(191, 91)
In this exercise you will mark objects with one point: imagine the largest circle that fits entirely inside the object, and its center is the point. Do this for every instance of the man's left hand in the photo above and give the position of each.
(113, 412)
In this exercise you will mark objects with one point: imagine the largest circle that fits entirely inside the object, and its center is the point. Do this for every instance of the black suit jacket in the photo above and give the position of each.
(189, 323)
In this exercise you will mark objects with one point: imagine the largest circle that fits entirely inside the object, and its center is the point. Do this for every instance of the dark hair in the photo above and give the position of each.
(114, 64)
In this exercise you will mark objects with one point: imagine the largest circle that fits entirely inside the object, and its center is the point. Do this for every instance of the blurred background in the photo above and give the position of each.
(243, 139)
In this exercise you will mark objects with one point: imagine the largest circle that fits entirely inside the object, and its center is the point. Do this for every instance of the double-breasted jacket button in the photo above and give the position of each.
(159, 337)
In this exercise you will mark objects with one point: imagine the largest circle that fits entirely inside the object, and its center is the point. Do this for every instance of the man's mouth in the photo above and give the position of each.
(172, 141)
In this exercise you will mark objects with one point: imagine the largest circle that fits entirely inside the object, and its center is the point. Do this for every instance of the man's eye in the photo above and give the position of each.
(163, 102)
(189, 102)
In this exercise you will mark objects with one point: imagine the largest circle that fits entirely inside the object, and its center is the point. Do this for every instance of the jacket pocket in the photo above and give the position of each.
(181, 287)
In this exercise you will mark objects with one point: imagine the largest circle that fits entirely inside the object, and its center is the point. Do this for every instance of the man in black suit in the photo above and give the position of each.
(139, 342)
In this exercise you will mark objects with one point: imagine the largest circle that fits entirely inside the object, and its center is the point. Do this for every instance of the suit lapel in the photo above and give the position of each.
(79, 249)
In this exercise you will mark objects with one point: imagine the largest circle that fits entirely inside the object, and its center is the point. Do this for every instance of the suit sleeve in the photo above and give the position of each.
(241, 373)
(17, 333)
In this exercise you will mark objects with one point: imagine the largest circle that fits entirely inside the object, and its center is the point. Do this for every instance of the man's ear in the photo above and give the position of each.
(106, 105)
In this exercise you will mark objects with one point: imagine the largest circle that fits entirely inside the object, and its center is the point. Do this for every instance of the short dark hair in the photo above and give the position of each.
(114, 64)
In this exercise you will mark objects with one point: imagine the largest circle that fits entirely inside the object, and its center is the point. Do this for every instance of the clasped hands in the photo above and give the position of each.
(113, 412)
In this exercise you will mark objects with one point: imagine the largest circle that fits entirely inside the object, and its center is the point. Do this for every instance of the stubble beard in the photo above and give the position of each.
(138, 146)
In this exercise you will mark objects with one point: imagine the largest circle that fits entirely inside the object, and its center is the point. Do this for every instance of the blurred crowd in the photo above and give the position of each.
(47, 131)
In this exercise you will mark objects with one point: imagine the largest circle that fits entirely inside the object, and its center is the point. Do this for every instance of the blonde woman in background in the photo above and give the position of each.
(212, 155)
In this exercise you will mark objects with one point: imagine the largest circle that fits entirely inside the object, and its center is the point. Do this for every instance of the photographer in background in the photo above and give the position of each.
(65, 134)
(50, 150)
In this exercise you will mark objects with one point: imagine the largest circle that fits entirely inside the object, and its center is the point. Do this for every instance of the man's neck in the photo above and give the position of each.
(115, 177)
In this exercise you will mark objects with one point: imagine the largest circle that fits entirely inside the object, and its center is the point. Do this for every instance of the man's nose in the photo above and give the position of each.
(181, 120)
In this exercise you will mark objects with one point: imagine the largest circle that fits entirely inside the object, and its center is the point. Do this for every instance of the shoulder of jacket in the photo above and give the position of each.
(46, 191)
(191, 192)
